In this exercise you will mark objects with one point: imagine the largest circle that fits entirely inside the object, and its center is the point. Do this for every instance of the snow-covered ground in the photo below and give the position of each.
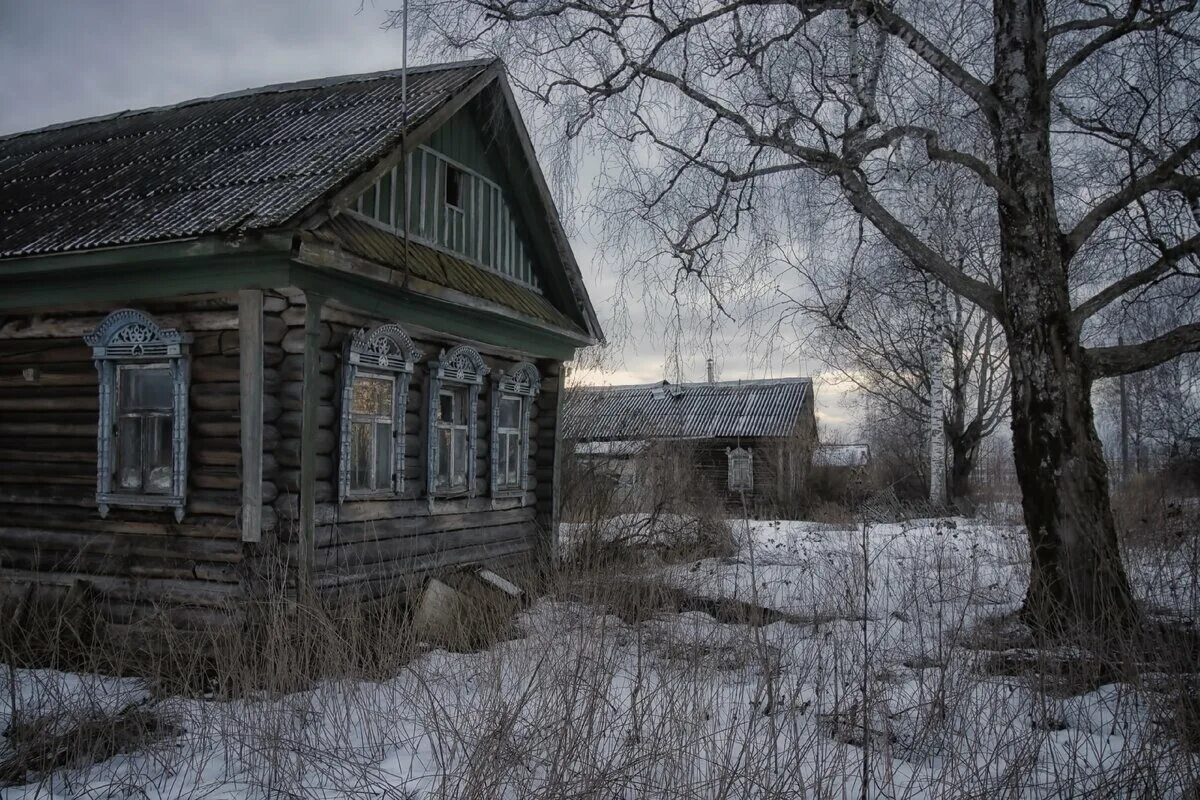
(876, 666)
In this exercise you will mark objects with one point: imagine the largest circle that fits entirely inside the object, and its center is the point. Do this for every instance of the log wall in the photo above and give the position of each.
(136, 562)
(140, 564)
(367, 547)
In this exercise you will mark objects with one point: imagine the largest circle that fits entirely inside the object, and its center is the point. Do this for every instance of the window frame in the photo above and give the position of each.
(459, 182)
(735, 456)
(374, 420)
(523, 383)
(384, 351)
(122, 412)
(131, 339)
(459, 402)
(461, 368)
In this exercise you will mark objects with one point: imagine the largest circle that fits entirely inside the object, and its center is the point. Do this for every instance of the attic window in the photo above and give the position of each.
(454, 182)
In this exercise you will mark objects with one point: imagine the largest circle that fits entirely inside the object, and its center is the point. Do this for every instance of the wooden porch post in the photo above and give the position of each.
(310, 406)
(250, 359)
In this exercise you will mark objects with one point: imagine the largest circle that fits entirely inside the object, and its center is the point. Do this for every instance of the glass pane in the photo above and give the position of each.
(512, 477)
(148, 388)
(510, 411)
(459, 473)
(501, 460)
(156, 454)
(360, 455)
(383, 456)
(384, 212)
(129, 454)
(372, 396)
(460, 406)
(446, 407)
(443, 473)
(453, 187)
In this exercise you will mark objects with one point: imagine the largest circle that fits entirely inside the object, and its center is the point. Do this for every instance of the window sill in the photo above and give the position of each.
(379, 495)
(105, 502)
(449, 494)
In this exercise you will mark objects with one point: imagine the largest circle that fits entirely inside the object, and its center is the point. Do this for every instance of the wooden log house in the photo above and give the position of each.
(747, 442)
(300, 325)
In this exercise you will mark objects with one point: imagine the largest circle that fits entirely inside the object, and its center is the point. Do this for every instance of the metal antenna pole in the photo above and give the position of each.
(405, 159)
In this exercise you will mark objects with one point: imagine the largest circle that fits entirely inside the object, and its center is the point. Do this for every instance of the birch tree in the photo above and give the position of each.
(886, 327)
(882, 333)
(717, 120)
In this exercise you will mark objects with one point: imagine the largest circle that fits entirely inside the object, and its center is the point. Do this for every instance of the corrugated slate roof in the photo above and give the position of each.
(236, 162)
(362, 238)
(727, 409)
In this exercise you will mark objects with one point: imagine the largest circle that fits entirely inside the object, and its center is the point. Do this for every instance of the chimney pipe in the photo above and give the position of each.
(710, 371)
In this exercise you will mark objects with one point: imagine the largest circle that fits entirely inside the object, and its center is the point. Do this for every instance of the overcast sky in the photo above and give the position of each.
(63, 60)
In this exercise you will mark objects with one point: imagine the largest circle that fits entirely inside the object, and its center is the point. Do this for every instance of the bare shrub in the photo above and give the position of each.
(41, 744)
(816, 661)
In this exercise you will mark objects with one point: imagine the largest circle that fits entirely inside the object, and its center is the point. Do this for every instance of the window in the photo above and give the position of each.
(145, 410)
(508, 442)
(512, 398)
(741, 469)
(453, 428)
(377, 368)
(141, 436)
(454, 182)
(454, 381)
(372, 432)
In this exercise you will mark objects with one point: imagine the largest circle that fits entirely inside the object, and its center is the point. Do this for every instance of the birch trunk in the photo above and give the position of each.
(1077, 581)
(937, 429)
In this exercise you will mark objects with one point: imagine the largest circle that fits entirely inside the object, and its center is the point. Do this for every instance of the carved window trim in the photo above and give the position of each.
(524, 383)
(738, 457)
(128, 337)
(388, 351)
(462, 367)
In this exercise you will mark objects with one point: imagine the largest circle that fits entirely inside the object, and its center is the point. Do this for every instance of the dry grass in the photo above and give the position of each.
(835, 665)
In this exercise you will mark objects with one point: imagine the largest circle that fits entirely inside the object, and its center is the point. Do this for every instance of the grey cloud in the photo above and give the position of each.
(66, 60)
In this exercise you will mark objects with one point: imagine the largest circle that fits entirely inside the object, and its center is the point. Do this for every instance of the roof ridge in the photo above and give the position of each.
(292, 86)
(697, 384)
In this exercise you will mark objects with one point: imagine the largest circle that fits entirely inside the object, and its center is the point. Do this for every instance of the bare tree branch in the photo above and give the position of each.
(1114, 29)
(1164, 176)
(1159, 268)
(1107, 362)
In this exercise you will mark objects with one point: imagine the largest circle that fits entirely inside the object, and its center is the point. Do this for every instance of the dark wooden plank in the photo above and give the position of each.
(250, 342)
(313, 332)
(176, 591)
(406, 548)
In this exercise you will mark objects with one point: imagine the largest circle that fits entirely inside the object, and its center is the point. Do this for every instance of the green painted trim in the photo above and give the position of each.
(121, 282)
(437, 315)
(142, 281)
(158, 252)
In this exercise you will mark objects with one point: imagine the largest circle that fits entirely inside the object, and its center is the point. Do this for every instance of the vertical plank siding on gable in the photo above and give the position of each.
(484, 230)
(136, 561)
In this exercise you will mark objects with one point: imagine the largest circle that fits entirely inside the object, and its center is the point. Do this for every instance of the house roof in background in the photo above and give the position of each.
(725, 409)
(616, 449)
(243, 161)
